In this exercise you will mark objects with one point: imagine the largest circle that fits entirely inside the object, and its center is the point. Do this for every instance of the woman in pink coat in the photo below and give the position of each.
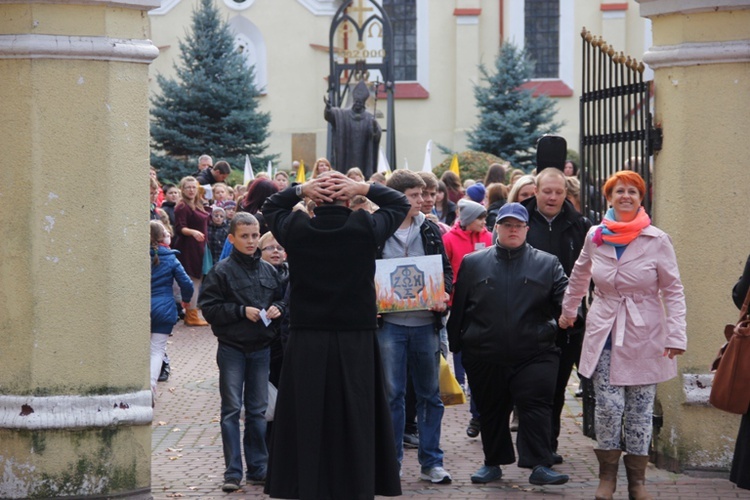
(634, 329)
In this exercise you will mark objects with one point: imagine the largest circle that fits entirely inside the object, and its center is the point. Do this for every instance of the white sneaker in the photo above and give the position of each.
(436, 475)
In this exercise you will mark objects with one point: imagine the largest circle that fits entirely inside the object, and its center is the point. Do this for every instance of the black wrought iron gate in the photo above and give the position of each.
(616, 132)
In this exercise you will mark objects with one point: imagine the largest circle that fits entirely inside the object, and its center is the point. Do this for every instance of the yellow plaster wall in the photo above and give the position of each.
(77, 289)
(74, 20)
(702, 199)
(74, 277)
(701, 27)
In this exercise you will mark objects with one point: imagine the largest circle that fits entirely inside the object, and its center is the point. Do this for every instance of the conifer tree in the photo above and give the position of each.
(511, 119)
(212, 105)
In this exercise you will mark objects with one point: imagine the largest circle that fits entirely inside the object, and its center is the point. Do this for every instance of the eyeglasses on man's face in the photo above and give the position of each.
(510, 226)
(271, 248)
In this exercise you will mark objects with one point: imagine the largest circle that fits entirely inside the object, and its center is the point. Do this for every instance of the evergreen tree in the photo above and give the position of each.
(212, 106)
(511, 119)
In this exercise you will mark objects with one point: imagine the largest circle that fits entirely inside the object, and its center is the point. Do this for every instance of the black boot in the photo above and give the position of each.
(165, 371)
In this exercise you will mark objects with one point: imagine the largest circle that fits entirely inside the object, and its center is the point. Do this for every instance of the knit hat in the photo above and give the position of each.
(227, 204)
(476, 192)
(469, 211)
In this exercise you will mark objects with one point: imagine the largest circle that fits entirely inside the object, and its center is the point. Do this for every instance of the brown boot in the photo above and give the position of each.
(192, 318)
(635, 466)
(609, 460)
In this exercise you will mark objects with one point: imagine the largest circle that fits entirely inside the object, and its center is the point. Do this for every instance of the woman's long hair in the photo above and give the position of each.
(257, 194)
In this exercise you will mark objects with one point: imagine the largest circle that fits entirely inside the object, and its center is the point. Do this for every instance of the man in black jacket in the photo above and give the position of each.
(505, 303)
(557, 228)
(218, 173)
(333, 436)
(240, 297)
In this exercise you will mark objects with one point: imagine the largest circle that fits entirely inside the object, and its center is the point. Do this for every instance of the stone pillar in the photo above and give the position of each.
(467, 61)
(75, 404)
(701, 63)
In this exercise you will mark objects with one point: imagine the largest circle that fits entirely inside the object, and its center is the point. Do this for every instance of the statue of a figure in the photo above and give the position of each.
(356, 134)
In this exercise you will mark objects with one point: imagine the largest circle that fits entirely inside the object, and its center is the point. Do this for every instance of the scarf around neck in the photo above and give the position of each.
(620, 234)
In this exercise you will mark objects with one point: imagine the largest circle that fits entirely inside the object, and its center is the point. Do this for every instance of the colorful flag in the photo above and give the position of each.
(454, 166)
(249, 175)
(427, 165)
(301, 172)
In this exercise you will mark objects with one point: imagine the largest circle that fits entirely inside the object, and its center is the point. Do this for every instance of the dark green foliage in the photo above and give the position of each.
(471, 165)
(511, 119)
(212, 106)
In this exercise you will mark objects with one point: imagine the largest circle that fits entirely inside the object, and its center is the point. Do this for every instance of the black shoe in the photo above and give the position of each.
(473, 429)
(557, 459)
(411, 441)
(230, 485)
(165, 371)
(544, 475)
(180, 311)
(486, 474)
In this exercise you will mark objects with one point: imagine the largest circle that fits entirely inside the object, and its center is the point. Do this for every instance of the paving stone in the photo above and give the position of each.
(187, 459)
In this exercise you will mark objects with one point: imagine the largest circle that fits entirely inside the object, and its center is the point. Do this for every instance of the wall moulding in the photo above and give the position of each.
(651, 8)
(74, 411)
(127, 4)
(693, 54)
(77, 47)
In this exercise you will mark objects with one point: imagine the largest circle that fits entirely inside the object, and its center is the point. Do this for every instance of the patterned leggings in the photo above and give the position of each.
(612, 401)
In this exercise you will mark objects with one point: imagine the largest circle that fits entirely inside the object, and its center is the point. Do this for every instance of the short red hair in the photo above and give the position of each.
(626, 177)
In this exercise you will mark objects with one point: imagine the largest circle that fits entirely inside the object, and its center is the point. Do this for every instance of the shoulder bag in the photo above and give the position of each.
(730, 390)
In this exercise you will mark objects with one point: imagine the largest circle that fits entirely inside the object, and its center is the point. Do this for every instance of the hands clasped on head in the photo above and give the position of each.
(333, 186)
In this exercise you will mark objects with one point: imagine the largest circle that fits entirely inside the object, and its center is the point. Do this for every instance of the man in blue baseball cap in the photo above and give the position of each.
(505, 303)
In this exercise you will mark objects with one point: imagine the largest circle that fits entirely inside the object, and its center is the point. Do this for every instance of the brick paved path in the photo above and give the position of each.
(187, 461)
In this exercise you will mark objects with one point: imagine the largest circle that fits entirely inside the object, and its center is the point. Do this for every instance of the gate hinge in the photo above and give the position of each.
(654, 139)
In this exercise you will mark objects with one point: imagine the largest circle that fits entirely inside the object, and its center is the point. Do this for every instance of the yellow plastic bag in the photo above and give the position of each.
(450, 392)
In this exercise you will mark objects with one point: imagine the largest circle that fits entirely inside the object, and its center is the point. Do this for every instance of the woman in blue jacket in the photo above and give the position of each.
(165, 268)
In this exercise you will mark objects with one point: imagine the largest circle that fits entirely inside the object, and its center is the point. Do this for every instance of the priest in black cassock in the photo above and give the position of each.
(333, 436)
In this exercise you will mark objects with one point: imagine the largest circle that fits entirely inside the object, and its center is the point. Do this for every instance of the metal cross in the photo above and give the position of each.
(360, 10)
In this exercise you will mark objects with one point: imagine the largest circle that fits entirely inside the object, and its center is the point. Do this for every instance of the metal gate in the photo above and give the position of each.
(615, 119)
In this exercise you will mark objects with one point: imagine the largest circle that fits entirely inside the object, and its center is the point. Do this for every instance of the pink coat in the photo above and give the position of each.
(459, 242)
(627, 303)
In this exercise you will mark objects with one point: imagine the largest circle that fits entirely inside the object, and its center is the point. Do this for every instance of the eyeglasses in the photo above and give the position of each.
(510, 226)
(271, 248)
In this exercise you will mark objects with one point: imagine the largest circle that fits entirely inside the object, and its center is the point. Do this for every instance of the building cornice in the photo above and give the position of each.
(694, 54)
(74, 411)
(126, 4)
(651, 8)
(97, 48)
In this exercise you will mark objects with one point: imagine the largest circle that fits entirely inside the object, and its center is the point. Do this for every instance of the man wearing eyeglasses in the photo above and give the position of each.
(503, 321)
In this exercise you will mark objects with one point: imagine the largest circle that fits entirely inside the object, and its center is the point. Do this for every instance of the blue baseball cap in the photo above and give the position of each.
(515, 210)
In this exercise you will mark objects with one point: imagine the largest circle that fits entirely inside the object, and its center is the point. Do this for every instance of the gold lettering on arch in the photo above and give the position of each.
(377, 25)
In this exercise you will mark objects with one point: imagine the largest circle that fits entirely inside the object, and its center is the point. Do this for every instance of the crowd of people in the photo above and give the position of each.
(284, 275)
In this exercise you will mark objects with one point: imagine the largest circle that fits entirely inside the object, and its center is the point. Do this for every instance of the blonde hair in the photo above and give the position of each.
(523, 181)
(196, 204)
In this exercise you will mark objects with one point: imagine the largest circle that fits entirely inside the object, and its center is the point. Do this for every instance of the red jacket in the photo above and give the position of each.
(459, 242)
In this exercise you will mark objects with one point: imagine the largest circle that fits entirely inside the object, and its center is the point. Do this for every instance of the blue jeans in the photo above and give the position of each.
(243, 376)
(419, 347)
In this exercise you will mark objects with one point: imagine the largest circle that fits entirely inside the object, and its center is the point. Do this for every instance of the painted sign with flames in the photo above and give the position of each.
(409, 283)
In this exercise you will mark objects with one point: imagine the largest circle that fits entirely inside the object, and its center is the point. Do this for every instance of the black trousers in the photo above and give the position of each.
(570, 354)
(530, 385)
